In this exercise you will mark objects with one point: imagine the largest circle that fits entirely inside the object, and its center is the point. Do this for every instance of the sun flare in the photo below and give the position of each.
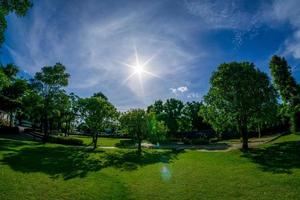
(139, 68)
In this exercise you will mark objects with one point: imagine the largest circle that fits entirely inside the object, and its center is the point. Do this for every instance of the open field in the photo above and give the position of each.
(30, 170)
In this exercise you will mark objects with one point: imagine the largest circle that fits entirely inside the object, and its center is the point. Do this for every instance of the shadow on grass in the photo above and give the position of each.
(12, 142)
(71, 162)
(278, 158)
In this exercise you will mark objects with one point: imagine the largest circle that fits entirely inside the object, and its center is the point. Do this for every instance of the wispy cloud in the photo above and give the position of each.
(228, 14)
(92, 46)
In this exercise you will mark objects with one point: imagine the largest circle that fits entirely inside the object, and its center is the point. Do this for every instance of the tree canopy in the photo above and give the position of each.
(288, 88)
(238, 92)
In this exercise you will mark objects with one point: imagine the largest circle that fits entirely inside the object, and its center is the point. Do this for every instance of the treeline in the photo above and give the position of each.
(241, 99)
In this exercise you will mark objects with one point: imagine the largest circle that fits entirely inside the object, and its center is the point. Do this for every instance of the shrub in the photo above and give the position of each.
(65, 140)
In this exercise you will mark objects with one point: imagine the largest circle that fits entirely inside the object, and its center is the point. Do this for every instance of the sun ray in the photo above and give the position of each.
(128, 77)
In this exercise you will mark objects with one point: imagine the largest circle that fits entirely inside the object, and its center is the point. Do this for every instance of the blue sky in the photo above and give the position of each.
(185, 39)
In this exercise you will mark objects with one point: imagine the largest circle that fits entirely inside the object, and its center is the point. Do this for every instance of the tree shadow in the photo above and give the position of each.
(11, 143)
(71, 162)
(278, 158)
(130, 160)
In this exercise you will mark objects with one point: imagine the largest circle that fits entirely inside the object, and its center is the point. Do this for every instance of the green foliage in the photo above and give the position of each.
(4, 80)
(169, 112)
(20, 7)
(135, 123)
(32, 106)
(11, 89)
(284, 81)
(157, 129)
(239, 93)
(98, 114)
(53, 77)
(49, 83)
(288, 88)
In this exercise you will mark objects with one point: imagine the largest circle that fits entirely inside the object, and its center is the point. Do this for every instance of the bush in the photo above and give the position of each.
(65, 140)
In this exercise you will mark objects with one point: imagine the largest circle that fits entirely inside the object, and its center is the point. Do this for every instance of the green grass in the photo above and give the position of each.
(102, 141)
(30, 170)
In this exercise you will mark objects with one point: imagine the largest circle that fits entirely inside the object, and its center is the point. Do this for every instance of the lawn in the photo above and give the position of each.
(30, 170)
(102, 141)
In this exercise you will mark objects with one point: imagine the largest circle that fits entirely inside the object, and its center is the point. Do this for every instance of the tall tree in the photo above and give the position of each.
(51, 80)
(288, 88)
(238, 92)
(98, 113)
(20, 7)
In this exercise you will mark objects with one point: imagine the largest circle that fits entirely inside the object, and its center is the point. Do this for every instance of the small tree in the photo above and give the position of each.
(135, 123)
(157, 130)
(98, 113)
(237, 94)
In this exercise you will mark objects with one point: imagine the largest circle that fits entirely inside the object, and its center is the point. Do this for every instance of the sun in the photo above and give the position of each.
(139, 68)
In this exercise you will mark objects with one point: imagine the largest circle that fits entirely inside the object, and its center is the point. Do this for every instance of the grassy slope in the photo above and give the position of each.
(29, 170)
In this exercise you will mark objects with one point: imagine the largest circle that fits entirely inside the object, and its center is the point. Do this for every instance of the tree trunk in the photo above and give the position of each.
(10, 118)
(244, 134)
(95, 140)
(46, 133)
(259, 131)
(294, 121)
(242, 128)
(139, 145)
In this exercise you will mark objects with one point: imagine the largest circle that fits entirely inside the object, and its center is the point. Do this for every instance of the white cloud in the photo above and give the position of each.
(288, 11)
(179, 90)
(194, 95)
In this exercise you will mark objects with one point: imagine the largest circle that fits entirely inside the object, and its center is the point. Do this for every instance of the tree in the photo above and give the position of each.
(157, 130)
(288, 88)
(12, 89)
(4, 81)
(50, 81)
(238, 92)
(173, 110)
(191, 113)
(20, 7)
(14, 93)
(135, 122)
(70, 113)
(98, 113)
(32, 107)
